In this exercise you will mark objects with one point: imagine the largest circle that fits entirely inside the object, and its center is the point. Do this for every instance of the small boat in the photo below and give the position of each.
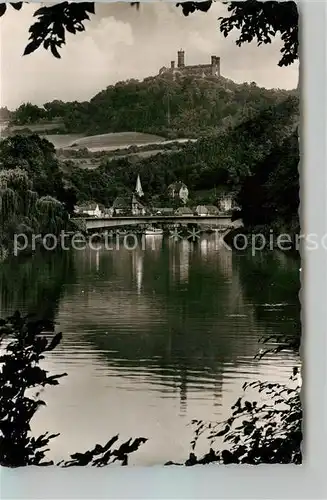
(153, 231)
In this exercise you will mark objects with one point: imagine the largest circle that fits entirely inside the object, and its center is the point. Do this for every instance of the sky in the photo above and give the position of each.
(120, 43)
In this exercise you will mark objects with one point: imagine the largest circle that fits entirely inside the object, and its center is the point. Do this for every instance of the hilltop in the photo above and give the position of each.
(186, 106)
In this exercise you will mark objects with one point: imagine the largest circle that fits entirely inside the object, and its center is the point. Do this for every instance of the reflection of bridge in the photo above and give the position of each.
(223, 222)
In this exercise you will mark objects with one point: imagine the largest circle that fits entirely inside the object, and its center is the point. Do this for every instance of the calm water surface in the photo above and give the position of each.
(153, 337)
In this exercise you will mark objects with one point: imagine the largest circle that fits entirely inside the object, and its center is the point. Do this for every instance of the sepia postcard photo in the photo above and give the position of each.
(149, 234)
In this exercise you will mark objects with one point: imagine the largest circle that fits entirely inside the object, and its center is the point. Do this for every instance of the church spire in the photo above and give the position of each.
(138, 189)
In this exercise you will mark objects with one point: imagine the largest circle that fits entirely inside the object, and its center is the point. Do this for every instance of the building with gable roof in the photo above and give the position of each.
(178, 190)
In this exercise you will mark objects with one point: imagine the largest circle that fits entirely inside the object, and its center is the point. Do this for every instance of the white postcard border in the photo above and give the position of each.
(242, 482)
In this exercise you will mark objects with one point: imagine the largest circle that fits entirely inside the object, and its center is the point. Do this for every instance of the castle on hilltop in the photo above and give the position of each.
(201, 70)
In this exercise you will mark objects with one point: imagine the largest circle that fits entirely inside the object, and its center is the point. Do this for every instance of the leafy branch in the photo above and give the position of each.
(263, 21)
(100, 456)
(26, 342)
(15, 5)
(190, 7)
(256, 20)
(53, 22)
(260, 21)
(268, 431)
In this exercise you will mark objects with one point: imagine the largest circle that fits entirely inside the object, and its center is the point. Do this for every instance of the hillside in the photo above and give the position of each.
(185, 107)
(247, 157)
(226, 159)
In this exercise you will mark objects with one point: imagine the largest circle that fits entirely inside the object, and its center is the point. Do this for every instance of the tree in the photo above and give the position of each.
(28, 113)
(33, 196)
(256, 20)
(265, 431)
(260, 21)
(37, 157)
(5, 114)
(271, 193)
(16, 179)
(28, 341)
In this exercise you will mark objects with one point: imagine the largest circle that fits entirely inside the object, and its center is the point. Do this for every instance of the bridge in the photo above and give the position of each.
(222, 222)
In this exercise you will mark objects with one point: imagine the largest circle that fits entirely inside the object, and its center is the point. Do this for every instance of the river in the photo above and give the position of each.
(153, 337)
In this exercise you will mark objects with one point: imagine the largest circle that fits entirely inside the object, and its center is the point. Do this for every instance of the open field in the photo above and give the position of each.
(63, 140)
(117, 140)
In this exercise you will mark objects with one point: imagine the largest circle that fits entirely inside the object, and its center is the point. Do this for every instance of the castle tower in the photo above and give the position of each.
(172, 64)
(218, 65)
(138, 188)
(215, 66)
(181, 59)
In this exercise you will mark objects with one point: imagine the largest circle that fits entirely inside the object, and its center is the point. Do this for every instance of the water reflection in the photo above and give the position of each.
(35, 284)
(155, 336)
(97, 259)
(137, 258)
(204, 248)
(152, 242)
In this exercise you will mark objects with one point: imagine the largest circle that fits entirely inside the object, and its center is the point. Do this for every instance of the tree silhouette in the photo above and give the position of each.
(25, 341)
(255, 20)
(260, 21)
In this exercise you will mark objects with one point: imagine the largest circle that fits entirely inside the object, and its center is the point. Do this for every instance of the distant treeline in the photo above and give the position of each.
(5, 114)
(185, 107)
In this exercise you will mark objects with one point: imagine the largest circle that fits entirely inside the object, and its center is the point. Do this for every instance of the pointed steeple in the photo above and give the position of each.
(138, 189)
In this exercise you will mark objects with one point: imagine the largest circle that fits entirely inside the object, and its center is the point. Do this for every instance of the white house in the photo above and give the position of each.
(91, 209)
(178, 190)
(226, 203)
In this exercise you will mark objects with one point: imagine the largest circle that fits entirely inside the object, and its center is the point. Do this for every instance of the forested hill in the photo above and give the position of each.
(186, 107)
(226, 159)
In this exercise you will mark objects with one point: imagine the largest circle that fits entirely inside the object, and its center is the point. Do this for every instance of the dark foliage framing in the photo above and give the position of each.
(255, 20)
(25, 341)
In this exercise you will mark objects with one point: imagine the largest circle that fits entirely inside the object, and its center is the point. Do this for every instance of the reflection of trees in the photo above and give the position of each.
(271, 280)
(176, 331)
(34, 284)
(167, 316)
